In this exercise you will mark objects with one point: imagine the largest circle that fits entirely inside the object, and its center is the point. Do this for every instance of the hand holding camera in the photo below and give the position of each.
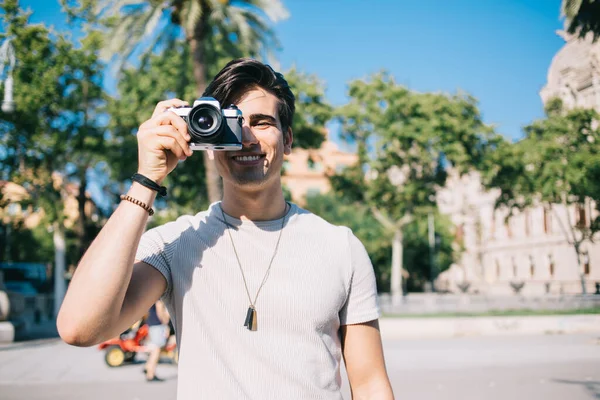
(176, 129)
(162, 142)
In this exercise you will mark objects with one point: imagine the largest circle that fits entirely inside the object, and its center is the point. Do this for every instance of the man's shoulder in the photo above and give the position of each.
(186, 222)
(316, 223)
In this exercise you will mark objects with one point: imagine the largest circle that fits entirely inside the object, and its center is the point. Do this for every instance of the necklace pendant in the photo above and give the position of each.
(250, 322)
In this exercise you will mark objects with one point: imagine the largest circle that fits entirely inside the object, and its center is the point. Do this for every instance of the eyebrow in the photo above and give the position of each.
(254, 118)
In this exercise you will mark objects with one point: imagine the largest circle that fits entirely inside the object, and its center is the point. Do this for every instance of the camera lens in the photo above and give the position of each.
(204, 122)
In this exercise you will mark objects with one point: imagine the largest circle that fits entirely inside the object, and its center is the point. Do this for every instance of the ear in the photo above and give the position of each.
(211, 155)
(288, 139)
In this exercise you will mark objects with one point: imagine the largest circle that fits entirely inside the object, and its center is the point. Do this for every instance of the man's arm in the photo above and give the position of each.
(109, 290)
(365, 365)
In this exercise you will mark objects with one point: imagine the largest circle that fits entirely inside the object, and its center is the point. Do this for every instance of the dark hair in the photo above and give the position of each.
(244, 74)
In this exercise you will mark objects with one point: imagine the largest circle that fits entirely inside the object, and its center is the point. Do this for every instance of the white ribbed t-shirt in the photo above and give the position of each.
(321, 278)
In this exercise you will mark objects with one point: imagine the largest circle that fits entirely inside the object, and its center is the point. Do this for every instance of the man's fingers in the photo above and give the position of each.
(169, 143)
(170, 118)
(163, 106)
(170, 131)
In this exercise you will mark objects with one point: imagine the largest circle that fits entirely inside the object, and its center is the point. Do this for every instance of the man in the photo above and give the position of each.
(265, 297)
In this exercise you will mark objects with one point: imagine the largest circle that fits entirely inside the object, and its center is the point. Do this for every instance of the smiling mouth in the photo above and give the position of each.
(248, 158)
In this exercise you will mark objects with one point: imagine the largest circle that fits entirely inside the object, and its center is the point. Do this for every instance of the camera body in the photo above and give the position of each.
(210, 126)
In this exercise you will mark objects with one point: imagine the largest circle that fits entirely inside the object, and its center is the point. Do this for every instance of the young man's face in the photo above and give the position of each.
(264, 144)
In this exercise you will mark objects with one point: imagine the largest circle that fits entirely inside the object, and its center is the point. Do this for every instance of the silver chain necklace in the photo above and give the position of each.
(251, 315)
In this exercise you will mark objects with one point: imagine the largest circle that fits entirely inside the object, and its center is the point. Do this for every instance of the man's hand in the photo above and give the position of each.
(162, 141)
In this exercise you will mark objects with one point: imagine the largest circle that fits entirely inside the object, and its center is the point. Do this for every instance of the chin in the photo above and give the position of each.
(251, 181)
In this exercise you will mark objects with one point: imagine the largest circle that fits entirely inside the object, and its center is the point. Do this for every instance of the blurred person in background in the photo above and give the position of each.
(158, 334)
(306, 288)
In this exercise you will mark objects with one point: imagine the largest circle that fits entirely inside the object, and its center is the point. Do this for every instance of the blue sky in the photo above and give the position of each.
(498, 51)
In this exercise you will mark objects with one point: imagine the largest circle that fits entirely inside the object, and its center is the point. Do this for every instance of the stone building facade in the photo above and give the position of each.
(530, 250)
(306, 171)
(527, 252)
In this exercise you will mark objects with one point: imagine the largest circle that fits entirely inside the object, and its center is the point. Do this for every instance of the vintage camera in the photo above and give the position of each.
(211, 127)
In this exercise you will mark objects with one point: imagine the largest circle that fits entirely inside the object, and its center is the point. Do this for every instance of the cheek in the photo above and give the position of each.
(271, 139)
(220, 158)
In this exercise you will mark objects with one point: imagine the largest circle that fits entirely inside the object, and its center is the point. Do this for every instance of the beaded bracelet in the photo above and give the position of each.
(139, 203)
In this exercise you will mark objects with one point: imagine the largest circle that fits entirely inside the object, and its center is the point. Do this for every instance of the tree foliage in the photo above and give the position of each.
(53, 137)
(406, 143)
(408, 140)
(143, 27)
(556, 163)
(582, 17)
(312, 109)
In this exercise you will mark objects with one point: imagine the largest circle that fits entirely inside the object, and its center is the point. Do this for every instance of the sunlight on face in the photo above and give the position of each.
(260, 160)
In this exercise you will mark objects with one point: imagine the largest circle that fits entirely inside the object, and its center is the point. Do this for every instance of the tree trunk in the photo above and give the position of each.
(59, 265)
(82, 218)
(396, 278)
(432, 249)
(81, 199)
(196, 39)
(580, 270)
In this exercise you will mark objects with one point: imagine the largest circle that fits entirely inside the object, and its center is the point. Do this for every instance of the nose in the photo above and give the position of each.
(248, 137)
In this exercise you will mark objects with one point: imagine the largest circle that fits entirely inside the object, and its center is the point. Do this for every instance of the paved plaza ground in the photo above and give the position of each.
(549, 367)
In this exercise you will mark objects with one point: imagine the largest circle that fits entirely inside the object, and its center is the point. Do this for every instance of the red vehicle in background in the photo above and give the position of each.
(123, 349)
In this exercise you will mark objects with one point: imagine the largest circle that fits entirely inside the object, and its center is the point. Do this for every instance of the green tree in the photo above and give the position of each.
(141, 27)
(52, 138)
(313, 111)
(582, 17)
(555, 163)
(406, 142)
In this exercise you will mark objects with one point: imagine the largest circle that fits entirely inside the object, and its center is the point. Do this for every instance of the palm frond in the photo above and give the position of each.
(193, 14)
(112, 8)
(274, 9)
(570, 8)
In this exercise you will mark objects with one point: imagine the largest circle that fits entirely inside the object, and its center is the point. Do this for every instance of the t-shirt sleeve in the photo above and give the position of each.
(156, 249)
(362, 302)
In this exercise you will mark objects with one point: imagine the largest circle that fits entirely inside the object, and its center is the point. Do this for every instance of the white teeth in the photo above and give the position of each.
(247, 158)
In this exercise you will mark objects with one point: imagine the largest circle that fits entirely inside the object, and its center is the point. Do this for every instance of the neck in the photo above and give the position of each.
(264, 204)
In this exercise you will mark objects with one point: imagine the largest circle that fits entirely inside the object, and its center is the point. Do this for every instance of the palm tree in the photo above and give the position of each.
(140, 27)
(582, 17)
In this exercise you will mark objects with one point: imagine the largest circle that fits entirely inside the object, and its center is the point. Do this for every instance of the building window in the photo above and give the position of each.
(527, 223)
(547, 221)
(514, 268)
(531, 266)
(586, 263)
(551, 265)
(498, 269)
(509, 231)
